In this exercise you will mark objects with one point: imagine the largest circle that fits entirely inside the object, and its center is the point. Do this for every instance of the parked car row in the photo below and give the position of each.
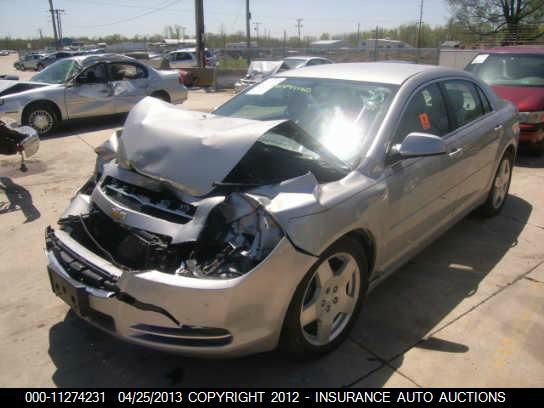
(38, 61)
(259, 70)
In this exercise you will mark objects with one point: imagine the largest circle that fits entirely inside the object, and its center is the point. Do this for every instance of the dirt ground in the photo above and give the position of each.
(467, 312)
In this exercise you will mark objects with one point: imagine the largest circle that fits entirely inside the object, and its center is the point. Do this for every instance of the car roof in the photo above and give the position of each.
(525, 49)
(304, 57)
(378, 72)
(93, 58)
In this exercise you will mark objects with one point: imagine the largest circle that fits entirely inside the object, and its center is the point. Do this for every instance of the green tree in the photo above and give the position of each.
(513, 20)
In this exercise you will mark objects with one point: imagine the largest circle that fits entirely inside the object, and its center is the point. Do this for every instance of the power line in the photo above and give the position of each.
(133, 17)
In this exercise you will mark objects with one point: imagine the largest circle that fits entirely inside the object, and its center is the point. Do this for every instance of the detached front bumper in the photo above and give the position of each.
(205, 317)
(12, 116)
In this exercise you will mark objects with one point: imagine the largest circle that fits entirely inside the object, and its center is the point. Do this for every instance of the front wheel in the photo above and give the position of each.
(327, 301)
(499, 190)
(41, 117)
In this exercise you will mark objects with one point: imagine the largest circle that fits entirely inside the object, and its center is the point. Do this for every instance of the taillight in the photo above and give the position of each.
(182, 76)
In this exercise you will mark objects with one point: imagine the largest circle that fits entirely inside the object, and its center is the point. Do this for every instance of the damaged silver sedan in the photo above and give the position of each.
(265, 223)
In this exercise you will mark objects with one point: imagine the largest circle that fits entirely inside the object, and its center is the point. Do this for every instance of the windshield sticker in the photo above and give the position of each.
(295, 88)
(265, 86)
(424, 120)
(480, 58)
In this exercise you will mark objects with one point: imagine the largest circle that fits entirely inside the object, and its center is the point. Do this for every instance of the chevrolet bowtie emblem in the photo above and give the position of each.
(117, 214)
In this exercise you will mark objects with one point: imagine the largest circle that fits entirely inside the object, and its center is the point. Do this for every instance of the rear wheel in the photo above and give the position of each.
(327, 302)
(42, 117)
(39, 67)
(499, 190)
(537, 148)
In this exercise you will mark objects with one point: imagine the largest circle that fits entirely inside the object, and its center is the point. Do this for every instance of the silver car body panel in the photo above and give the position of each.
(87, 100)
(397, 207)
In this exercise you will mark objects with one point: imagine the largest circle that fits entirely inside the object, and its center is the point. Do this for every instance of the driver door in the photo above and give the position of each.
(423, 192)
(90, 94)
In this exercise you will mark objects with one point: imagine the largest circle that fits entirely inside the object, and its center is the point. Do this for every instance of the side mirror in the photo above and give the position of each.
(419, 145)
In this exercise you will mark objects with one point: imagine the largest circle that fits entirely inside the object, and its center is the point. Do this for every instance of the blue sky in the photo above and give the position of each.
(23, 18)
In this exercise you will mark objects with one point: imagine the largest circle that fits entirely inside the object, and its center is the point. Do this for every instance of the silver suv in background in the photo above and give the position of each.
(29, 61)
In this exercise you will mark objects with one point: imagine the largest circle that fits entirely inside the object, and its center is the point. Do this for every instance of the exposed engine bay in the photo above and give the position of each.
(237, 235)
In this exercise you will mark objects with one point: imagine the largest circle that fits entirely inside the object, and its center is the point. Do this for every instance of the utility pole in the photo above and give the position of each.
(54, 22)
(59, 24)
(41, 33)
(256, 28)
(284, 42)
(358, 34)
(419, 29)
(248, 31)
(299, 26)
(199, 22)
(376, 45)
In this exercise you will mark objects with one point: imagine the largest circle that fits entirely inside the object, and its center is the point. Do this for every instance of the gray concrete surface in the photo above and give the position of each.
(468, 311)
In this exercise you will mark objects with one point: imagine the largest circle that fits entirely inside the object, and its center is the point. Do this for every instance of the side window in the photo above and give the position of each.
(93, 75)
(485, 102)
(315, 62)
(183, 56)
(123, 71)
(425, 113)
(464, 101)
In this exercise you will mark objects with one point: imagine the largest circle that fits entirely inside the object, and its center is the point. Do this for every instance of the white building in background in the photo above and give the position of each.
(241, 45)
(327, 44)
(383, 43)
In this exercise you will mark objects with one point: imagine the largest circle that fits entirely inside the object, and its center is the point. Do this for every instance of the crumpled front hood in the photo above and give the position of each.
(190, 150)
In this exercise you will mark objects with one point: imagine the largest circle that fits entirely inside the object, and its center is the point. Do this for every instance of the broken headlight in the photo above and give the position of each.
(239, 234)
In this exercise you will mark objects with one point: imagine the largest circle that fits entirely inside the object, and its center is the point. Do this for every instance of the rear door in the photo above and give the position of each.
(90, 94)
(130, 82)
(476, 133)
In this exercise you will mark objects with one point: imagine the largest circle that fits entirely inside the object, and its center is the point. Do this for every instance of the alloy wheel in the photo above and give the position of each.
(501, 183)
(329, 299)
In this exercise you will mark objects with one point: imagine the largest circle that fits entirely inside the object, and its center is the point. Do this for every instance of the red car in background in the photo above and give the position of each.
(517, 75)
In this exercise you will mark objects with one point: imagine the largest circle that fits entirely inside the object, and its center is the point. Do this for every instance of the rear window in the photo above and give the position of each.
(509, 69)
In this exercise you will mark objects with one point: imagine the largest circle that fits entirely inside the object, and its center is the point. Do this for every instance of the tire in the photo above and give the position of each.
(42, 117)
(324, 302)
(537, 149)
(162, 95)
(39, 67)
(499, 189)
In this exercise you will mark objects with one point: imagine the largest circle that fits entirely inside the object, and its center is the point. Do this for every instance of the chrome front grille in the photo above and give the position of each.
(157, 204)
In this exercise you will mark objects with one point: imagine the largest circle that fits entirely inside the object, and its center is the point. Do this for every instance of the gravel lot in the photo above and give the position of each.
(468, 311)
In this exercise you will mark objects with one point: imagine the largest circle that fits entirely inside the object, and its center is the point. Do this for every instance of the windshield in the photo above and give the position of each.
(334, 114)
(509, 69)
(59, 72)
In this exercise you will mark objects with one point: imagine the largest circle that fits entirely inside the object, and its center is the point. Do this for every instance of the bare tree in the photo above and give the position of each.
(517, 20)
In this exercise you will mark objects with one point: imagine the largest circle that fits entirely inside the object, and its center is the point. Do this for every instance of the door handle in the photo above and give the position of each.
(498, 128)
(455, 152)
